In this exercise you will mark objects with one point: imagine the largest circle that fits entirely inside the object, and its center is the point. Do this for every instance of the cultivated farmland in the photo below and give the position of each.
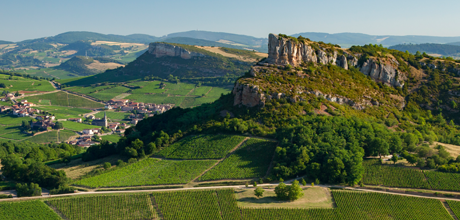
(149, 172)
(29, 210)
(65, 99)
(202, 147)
(251, 160)
(123, 206)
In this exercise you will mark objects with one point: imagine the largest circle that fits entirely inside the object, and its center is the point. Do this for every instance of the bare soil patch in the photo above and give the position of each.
(123, 45)
(78, 168)
(96, 65)
(314, 197)
(454, 150)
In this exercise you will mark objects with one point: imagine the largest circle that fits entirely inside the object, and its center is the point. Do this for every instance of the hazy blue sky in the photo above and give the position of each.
(27, 19)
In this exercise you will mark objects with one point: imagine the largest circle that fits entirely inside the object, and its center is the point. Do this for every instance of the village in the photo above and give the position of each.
(43, 122)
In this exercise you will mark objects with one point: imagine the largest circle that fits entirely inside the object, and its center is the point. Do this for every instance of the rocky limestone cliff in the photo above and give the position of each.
(384, 72)
(163, 49)
(283, 51)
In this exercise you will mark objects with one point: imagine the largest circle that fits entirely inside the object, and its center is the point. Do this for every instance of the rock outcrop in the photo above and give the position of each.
(284, 51)
(247, 95)
(383, 72)
(163, 49)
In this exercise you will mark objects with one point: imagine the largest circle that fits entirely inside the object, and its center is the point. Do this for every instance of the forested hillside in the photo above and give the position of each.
(435, 49)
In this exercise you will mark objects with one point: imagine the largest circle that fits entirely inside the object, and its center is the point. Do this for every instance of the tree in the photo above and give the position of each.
(282, 191)
(379, 146)
(255, 184)
(259, 192)
(420, 162)
(2, 85)
(295, 192)
(304, 183)
(137, 144)
(394, 158)
(150, 148)
(107, 165)
(58, 125)
(17, 94)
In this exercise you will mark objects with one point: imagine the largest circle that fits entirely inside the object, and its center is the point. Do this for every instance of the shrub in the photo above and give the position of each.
(259, 192)
(26, 189)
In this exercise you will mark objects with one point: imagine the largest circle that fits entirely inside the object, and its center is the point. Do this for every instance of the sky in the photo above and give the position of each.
(29, 19)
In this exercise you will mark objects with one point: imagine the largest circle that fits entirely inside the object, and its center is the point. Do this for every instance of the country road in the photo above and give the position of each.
(224, 187)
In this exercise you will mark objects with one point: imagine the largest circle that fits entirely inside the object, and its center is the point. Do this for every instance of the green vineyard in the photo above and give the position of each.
(149, 172)
(202, 147)
(33, 210)
(222, 204)
(251, 160)
(114, 207)
(376, 174)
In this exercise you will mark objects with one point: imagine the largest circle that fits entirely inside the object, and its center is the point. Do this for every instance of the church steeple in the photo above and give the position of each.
(105, 119)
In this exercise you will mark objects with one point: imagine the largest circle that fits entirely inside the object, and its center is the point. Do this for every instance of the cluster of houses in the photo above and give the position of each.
(22, 109)
(7, 97)
(142, 108)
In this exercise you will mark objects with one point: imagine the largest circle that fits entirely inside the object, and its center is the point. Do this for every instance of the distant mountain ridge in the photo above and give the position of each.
(441, 49)
(348, 39)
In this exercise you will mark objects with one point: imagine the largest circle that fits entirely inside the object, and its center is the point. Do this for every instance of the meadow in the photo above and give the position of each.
(251, 160)
(201, 147)
(149, 172)
(112, 138)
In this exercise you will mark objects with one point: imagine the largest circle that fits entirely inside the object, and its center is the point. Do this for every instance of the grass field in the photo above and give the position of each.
(112, 138)
(122, 207)
(75, 126)
(201, 147)
(149, 172)
(64, 112)
(65, 99)
(251, 160)
(28, 210)
(314, 197)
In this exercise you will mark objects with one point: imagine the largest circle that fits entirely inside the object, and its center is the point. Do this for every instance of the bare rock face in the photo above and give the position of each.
(162, 49)
(342, 62)
(247, 95)
(383, 72)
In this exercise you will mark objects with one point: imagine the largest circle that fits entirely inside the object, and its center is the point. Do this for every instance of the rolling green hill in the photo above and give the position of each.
(211, 65)
(5, 42)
